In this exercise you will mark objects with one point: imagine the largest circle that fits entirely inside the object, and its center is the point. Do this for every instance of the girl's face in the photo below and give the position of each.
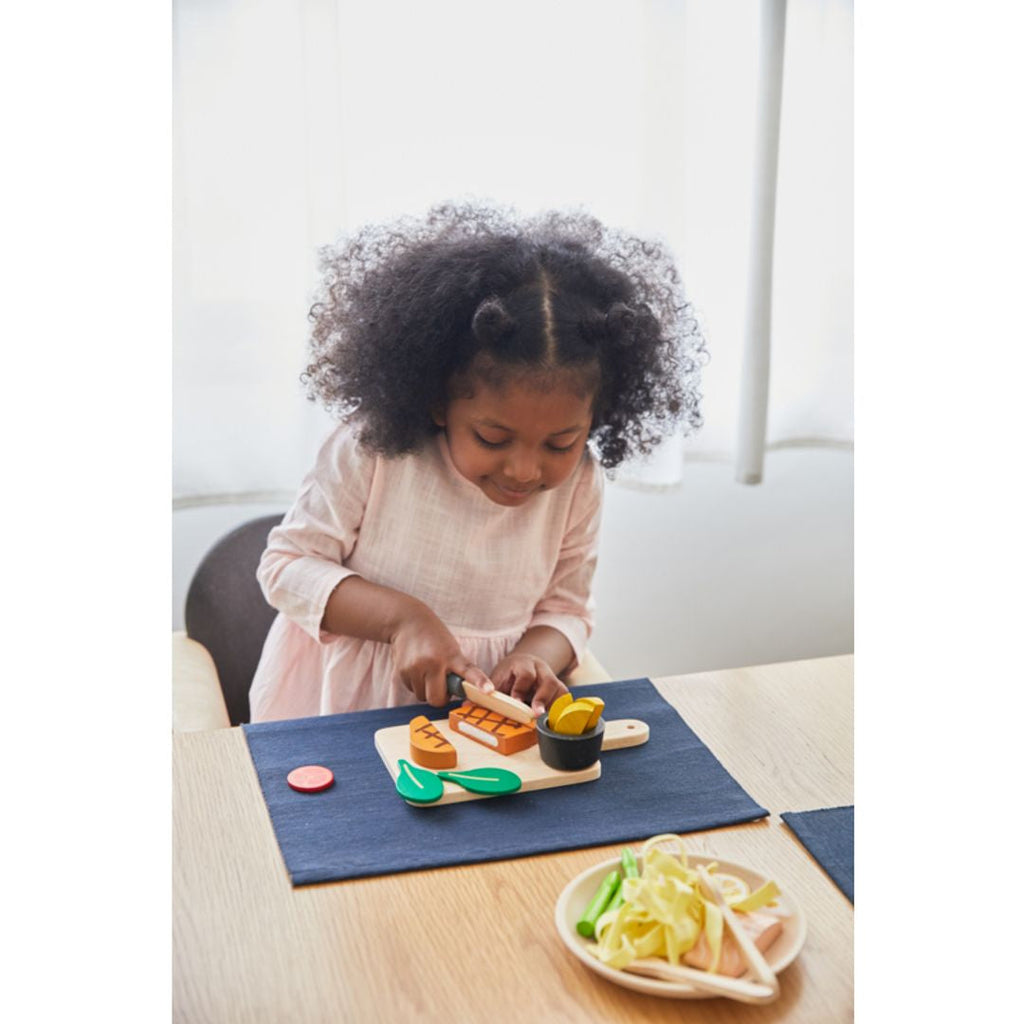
(515, 442)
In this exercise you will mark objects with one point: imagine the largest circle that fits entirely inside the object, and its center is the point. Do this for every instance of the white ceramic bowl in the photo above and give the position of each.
(577, 894)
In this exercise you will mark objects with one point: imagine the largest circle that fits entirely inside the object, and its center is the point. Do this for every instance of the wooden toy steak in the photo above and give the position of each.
(492, 728)
(428, 747)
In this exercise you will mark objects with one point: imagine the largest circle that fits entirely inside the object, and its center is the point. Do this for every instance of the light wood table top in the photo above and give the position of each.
(248, 946)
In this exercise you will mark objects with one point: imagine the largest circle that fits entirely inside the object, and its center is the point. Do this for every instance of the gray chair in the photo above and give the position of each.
(226, 623)
(226, 613)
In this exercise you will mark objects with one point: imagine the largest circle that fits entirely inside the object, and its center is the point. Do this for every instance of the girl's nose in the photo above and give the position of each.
(522, 468)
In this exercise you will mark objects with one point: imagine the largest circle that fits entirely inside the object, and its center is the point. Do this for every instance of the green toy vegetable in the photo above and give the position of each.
(417, 784)
(489, 781)
(596, 907)
(629, 870)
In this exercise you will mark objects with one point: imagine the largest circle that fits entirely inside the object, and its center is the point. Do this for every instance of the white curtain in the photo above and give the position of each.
(297, 120)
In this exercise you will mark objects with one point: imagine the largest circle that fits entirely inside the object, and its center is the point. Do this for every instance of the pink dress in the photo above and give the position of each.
(416, 524)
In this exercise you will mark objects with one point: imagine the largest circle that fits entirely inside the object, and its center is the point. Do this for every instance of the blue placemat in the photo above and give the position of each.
(361, 826)
(828, 836)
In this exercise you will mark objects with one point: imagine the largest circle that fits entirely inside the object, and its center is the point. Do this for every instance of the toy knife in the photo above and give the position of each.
(502, 703)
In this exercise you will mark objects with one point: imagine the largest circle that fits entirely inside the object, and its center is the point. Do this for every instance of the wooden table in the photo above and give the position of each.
(249, 947)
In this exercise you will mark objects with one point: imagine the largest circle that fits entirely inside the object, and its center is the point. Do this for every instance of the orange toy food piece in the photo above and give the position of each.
(428, 747)
(492, 729)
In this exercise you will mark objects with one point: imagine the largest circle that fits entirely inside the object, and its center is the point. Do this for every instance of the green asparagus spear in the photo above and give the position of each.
(629, 870)
(596, 907)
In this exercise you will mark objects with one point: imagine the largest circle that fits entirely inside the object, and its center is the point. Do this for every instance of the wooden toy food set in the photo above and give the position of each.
(491, 745)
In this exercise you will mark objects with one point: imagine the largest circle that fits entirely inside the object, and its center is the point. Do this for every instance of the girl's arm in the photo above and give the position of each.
(304, 560)
(423, 648)
(304, 575)
(550, 645)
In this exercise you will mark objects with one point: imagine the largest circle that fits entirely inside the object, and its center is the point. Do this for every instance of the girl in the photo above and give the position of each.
(450, 522)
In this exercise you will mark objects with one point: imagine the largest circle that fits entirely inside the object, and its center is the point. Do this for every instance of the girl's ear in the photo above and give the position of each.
(437, 414)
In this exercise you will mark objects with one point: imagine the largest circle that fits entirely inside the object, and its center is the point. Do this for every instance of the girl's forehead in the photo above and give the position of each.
(524, 403)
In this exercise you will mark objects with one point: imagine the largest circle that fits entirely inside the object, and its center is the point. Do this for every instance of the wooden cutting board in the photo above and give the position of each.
(393, 744)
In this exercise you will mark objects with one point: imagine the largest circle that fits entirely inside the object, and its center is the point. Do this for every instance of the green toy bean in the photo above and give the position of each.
(629, 870)
(596, 907)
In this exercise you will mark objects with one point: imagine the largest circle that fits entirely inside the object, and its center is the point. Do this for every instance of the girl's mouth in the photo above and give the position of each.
(513, 494)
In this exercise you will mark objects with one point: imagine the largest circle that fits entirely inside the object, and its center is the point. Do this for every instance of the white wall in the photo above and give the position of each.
(711, 575)
(717, 574)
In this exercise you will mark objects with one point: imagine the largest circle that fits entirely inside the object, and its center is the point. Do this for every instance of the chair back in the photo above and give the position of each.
(226, 612)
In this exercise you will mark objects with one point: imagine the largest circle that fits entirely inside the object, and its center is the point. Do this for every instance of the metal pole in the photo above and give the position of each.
(757, 341)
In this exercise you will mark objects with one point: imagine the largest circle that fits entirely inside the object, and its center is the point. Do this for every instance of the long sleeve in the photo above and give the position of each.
(567, 604)
(305, 556)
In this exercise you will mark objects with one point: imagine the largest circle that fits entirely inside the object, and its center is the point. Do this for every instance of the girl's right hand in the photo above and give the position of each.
(424, 652)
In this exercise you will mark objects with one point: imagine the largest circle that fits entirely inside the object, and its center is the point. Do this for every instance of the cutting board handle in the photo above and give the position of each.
(624, 732)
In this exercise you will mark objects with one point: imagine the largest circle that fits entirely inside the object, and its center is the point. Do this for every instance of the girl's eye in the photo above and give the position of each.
(561, 451)
(489, 444)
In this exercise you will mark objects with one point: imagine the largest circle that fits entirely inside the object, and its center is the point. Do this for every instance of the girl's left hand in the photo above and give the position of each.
(529, 679)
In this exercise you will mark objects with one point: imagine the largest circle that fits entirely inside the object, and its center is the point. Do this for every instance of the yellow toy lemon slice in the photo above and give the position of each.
(598, 705)
(573, 720)
(556, 709)
(732, 888)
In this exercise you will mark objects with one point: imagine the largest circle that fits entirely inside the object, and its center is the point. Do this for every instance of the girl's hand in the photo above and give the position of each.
(425, 652)
(528, 678)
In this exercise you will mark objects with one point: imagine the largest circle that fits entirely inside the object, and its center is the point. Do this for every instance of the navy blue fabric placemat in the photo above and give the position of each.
(828, 836)
(361, 826)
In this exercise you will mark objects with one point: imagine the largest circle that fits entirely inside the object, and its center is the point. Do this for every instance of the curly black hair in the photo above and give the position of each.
(412, 312)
